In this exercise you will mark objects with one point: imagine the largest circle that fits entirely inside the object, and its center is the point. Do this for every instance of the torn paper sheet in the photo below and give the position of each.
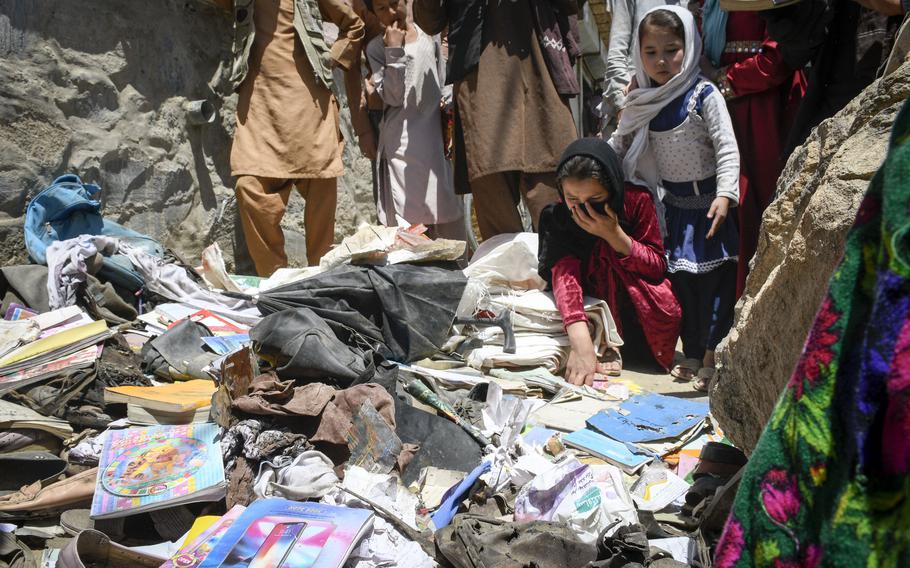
(657, 488)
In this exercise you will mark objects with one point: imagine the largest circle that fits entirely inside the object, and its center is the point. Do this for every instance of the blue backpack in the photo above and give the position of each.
(66, 210)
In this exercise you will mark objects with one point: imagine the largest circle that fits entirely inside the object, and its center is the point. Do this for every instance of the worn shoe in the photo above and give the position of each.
(39, 500)
(92, 548)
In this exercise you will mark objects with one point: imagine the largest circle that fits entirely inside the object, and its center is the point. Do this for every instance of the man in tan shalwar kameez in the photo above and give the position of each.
(288, 131)
(515, 122)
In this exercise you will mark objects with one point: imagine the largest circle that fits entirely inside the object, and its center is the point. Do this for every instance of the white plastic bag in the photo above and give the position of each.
(587, 498)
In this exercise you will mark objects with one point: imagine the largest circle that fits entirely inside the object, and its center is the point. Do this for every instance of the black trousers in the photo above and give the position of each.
(707, 302)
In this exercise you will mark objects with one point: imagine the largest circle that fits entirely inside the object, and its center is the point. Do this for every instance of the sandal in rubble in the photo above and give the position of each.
(702, 381)
(686, 370)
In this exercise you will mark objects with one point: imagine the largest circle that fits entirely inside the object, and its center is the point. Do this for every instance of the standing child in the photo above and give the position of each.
(415, 178)
(675, 136)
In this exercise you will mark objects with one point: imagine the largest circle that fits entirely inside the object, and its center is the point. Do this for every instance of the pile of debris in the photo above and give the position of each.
(386, 408)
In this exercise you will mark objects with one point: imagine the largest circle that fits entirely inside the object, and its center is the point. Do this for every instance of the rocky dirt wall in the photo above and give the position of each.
(802, 240)
(98, 88)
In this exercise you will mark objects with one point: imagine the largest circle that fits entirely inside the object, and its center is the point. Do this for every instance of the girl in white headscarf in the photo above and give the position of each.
(675, 136)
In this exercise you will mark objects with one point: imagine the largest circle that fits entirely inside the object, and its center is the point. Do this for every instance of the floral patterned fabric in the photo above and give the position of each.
(828, 483)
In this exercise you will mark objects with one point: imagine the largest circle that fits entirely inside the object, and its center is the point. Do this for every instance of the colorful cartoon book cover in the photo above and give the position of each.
(144, 469)
(277, 533)
(193, 553)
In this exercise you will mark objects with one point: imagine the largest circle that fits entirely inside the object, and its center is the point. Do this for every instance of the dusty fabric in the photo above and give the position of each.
(300, 345)
(178, 353)
(17, 438)
(119, 365)
(287, 120)
(334, 409)
(262, 202)
(309, 475)
(27, 284)
(173, 282)
(248, 442)
(88, 450)
(68, 266)
(403, 312)
(252, 440)
(475, 542)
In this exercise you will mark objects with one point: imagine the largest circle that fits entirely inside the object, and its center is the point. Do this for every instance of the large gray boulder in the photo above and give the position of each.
(802, 240)
(98, 87)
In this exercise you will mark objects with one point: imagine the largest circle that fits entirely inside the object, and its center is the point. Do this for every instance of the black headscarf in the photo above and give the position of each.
(559, 235)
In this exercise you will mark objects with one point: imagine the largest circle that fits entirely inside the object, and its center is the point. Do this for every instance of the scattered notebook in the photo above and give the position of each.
(649, 417)
(140, 416)
(216, 324)
(175, 398)
(54, 347)
(25, 376)
(224, 344)
(607, 449)
(144, 469)
(195, 551)
(14, 416)
(276, 533)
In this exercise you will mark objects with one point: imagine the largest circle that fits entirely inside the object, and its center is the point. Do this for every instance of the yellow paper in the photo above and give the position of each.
(54, 342)
(174, 397)
(200, 525)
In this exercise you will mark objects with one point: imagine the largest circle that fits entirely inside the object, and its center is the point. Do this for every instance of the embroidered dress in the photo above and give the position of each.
(828, 482)
(683, 138)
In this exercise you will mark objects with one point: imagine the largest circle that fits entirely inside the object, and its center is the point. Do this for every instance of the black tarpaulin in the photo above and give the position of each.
(406, 309)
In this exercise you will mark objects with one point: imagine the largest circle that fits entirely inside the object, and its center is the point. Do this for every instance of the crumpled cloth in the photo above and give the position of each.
(333, 408)
(385, 545)
(247, 443)
(310, 475)
(174, 283)
(88, 451)
(240, 477)
(249, 439)
(477, 542)
(67, 267)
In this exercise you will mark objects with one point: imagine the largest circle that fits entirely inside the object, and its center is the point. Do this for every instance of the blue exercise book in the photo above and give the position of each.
(612, 451)
(649, 417)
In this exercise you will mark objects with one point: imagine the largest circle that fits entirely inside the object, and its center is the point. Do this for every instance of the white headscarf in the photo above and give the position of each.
(645, 102)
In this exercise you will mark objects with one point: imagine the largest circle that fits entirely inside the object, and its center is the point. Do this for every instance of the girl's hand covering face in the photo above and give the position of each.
(594, 222)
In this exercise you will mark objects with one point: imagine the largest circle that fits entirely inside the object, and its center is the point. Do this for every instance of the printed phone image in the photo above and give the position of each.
(277, 545)
(309, 546)
(253, 539)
